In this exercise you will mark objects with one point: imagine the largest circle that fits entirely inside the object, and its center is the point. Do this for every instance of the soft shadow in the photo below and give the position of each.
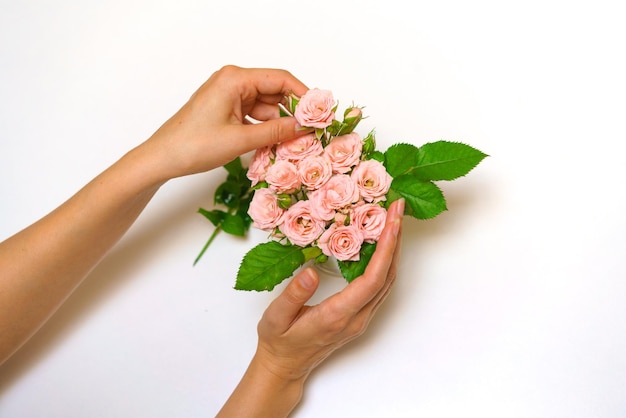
(132, 252)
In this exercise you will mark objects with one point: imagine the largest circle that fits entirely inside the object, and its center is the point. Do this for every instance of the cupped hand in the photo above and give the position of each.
(294, 338)
(214, 126)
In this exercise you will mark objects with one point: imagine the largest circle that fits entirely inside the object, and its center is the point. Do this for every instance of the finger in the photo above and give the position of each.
(392, 273)
(269, 81)
(264, 111)
(286, 307)
(365, 288)
(250, 137)
(271, 98)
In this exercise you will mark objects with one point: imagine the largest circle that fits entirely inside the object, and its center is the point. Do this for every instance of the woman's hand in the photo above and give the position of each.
(213, 127)
(294, 338)
(42, 264)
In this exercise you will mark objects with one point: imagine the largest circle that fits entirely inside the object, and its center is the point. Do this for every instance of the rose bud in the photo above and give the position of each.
(369, 144)
(351, 118)
(284, 200)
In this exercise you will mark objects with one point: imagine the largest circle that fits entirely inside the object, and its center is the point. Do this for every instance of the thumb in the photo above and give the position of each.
(270, 132)
(288, 304)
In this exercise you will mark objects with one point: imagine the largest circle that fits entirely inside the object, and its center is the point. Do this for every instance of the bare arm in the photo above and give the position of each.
(41, 265)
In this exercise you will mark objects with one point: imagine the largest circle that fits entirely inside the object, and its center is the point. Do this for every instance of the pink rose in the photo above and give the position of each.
(314, 172)
(338, 192)
(342, 242)
(370, 219)
(372, 180)
(344, 152)
(299, 148)
(264, 210)
(259, 164)
(282, 177)
(299, 226)
(315, 109)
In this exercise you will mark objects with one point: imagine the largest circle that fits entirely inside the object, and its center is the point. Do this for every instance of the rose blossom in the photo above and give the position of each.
(315, 109)
(338, 192)
(372, 180)
(259, 164)
(299, 226)
(299, 148)
(314, 172)
(264, 210)
(342, 242)
(282, 177)
(369, 218)
(344, 152)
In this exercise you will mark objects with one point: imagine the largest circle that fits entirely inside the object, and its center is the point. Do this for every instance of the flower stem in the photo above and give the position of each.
(211, 238)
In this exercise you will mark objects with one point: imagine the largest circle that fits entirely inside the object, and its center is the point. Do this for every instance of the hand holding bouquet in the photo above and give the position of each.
(325, 194)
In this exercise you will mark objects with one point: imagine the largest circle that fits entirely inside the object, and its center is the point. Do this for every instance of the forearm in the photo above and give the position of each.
(45, 262)
(262, 393)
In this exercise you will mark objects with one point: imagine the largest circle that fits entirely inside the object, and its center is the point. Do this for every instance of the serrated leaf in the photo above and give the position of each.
(350, 270)
(215, 216)
(267, 265)
(234, 225)
(424, 200)
(445, 160)
(400, 158)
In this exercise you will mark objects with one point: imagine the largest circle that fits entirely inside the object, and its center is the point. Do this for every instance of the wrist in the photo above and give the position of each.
(148, 164)
(286, 368)
(262, 392)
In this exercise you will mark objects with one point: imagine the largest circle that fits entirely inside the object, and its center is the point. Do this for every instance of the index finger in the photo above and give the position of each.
(271, 81)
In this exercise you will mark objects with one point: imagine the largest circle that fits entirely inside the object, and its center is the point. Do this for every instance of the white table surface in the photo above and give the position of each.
(510, 304)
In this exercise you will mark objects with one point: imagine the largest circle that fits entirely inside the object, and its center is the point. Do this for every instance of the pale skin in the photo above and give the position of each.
(41, 265)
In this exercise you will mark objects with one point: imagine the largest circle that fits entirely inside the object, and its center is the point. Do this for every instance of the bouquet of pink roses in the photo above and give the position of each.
(325, 194)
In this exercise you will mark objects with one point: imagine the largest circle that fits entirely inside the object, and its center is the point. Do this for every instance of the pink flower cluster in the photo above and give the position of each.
(325, 196)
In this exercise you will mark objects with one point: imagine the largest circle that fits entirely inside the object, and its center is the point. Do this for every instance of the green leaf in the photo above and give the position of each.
(444, 160)
(350, 270)
(234, 225)
(235, 168)
(260, 185)
(400, 158)
(242, 211)
(424, 200)
(228, 194)
(311, 253)
(268, 264)
(215, 216)
(336, 127)
(378, 156)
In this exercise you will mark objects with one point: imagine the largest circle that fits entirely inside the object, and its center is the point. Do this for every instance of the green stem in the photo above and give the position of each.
(211, 238)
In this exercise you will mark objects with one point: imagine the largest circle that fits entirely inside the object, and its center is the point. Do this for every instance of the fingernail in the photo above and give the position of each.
(398, 216)
(400, 207)
(306, 279)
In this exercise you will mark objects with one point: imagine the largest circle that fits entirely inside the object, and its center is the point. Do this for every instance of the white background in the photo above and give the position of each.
(512, 303)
